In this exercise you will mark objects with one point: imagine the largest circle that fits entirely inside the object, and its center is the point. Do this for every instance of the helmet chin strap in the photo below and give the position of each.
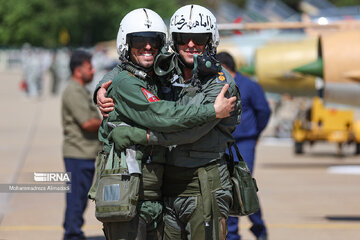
(135, 69)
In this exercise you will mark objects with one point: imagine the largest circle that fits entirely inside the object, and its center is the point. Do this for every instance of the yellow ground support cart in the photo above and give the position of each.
(325, 124)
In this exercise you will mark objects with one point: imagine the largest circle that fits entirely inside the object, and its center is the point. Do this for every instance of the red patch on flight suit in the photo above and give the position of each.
(149, 96)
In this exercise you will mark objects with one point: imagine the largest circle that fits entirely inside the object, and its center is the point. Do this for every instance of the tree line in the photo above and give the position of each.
(55, 23)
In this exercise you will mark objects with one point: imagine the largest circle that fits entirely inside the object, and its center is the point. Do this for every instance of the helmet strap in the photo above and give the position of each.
(137, 70)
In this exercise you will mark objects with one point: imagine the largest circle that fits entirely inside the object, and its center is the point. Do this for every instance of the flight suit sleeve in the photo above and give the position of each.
(126, 136)
(226, 125)
(194, 134)
(182, 137)
(215, 86)
(135, 102)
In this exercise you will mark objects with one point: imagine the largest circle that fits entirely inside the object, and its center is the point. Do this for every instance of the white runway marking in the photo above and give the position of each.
(353, 169)
(272, 141)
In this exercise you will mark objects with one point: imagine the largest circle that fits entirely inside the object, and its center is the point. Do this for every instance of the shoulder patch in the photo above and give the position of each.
(149, 96)
(131, 74)
(221, 77)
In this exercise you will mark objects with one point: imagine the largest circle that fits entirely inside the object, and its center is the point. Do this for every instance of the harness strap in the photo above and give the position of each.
(110, 160)
(184, 182)
(124, 161)
(210, 208)
(109, 209)
(206, 194)
(216, 217)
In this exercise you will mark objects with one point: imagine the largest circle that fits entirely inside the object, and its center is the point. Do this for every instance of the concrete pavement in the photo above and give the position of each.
(301, 199)
(31, 140)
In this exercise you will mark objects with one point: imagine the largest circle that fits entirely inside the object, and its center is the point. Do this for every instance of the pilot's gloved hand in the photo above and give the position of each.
(126, 136)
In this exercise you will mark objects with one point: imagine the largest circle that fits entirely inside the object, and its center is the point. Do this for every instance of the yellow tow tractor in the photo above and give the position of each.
(325, 124)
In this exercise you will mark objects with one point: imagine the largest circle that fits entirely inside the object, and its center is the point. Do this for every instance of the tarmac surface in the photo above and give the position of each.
(303, 197)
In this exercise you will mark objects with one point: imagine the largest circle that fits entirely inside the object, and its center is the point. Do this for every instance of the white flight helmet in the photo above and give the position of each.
(138, 20)
(195, 19)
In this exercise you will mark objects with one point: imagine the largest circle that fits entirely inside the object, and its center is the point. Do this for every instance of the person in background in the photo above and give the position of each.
(60, 70)
(102, 64)
(33, 68)
(80, 121)
(255, 115)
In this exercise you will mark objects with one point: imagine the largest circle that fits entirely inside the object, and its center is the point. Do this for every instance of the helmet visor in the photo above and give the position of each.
(197, 38)
(141, 39)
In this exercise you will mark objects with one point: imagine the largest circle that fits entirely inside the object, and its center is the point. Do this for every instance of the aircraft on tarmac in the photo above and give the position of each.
(324, 62)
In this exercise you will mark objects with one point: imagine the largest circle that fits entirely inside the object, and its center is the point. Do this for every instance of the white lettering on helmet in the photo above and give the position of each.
(202, 21)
